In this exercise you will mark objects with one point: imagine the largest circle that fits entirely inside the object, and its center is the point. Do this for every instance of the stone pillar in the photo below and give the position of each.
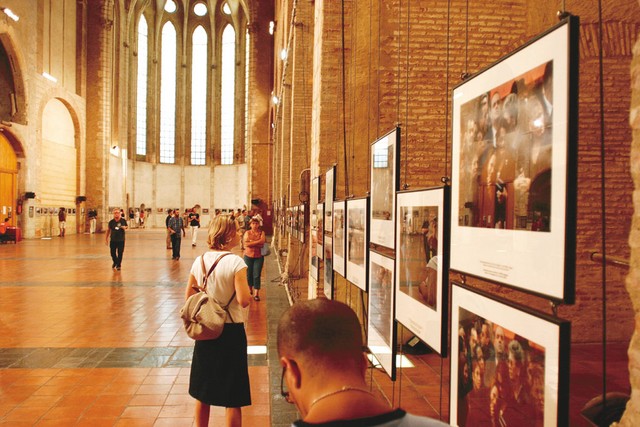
(99, 79)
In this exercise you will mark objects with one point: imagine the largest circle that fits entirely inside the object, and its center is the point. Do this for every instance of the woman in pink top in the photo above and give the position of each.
(252, 241)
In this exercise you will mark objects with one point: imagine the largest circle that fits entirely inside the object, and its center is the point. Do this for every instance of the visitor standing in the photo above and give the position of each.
(176, 228)
(115, 238)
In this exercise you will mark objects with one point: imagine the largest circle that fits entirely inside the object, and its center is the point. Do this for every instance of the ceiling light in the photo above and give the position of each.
(49, 77)
(272, 27)
(275, 100)
(283, 54)
(10, 13)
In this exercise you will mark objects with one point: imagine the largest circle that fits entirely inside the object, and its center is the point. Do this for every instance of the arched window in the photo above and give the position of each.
(168, 95)
(199, 97)
(227, 95)
(141, 104)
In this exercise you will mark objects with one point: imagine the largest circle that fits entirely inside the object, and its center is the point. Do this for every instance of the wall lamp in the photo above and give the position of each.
(284, 54)
(10, 13)
(272, 27)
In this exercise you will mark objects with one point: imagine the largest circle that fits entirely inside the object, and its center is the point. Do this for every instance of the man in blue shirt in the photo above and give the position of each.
(176, 227)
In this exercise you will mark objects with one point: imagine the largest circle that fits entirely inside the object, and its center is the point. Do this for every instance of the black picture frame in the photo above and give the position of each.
(357, 231)
(513, 124)
(381, 324)
(340, 237)
(384, 159)
(537, 346)
(422, 264)
(329, 196)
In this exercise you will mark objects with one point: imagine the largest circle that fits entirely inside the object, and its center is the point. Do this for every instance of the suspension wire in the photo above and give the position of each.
(378, 77)
(304, 91)
(603, 217)
(344, 109)
(354, 64)
(406, 114)
(369, 74)
(446, 93)
(466, 43)
(398, 65)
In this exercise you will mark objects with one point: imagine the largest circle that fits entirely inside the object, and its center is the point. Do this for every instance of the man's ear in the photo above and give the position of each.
(293, 370)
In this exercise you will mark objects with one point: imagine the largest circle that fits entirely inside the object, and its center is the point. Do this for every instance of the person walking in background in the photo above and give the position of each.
(220, 369)
(166, 224)
(62, 221)
(93, 219)
(115, 238)
(194, 225)
(252, 241)
(323, 366)
(176, 228)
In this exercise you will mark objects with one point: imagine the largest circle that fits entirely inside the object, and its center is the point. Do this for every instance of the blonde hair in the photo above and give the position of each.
(221, 231)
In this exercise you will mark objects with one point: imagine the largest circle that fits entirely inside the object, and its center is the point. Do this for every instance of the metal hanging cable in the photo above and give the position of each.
(603, 215)
(406, 114)
(344, 108)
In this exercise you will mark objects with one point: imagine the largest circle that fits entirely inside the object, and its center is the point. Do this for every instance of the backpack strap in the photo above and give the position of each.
(204, 280)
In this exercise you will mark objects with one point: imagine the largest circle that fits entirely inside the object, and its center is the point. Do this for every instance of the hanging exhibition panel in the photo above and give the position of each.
(514, 167)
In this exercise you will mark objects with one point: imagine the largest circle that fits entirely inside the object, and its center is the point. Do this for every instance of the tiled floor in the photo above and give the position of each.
(81, 344)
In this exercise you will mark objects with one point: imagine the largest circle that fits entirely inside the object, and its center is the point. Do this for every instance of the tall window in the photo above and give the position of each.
(199, 97)
(168, 95)
(141, 109)
(227, 93)
(247, 45)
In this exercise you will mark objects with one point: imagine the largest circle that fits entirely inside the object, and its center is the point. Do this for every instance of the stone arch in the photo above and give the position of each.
(17, 63)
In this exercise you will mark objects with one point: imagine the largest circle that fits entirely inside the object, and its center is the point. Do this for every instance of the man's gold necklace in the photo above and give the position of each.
(340, 390)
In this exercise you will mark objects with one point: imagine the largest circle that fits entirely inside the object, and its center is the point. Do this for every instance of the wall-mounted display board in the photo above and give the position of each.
(357, 238)
(384, 169)
(514, 167)
(339, 237)
(320, 230)
(314, 266)
(510, 361)
(328, 266)
(422, 261)
(301, 223)
(381, 330)
(329, 195)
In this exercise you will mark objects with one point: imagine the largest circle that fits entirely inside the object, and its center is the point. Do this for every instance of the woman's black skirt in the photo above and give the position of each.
(220, 371)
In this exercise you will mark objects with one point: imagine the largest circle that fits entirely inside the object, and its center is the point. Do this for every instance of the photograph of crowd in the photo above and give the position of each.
(501, 377)
(418, 253)
(357, 242)
(506, 150)
(315, 261)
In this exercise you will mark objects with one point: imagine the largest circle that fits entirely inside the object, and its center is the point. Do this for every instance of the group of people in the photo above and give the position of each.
(501, 377)
(319, 345)
(506, 154)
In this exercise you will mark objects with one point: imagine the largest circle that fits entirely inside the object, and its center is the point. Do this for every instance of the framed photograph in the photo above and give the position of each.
(38, 211)
(514, 167)
(328, 266)
(320, 230)
(295, 228)
(510, 361)
(329, 195)
(301, 223)
(339, 237)
(314, 266)
(422, 264)
(385, 166)
(205, 211)
(357, 238)
(381, 330)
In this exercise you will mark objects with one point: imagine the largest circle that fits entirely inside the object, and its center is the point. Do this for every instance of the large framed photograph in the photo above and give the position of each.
(328, 266)
(514, 168)
(339, 237)
(385, 166)
(329, 195)
(314, 267)
(295, 226)
(320, 230)
(301, 223)
(357, 238)
(381, 330)
(510, 364)
(422, 264)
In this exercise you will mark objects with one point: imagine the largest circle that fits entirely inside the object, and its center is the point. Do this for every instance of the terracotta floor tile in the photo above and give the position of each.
(145, 412)
(30, 414)
(148, 400)
(175, 422)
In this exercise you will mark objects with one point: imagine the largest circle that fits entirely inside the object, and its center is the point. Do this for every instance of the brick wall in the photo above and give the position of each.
(400, 64)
